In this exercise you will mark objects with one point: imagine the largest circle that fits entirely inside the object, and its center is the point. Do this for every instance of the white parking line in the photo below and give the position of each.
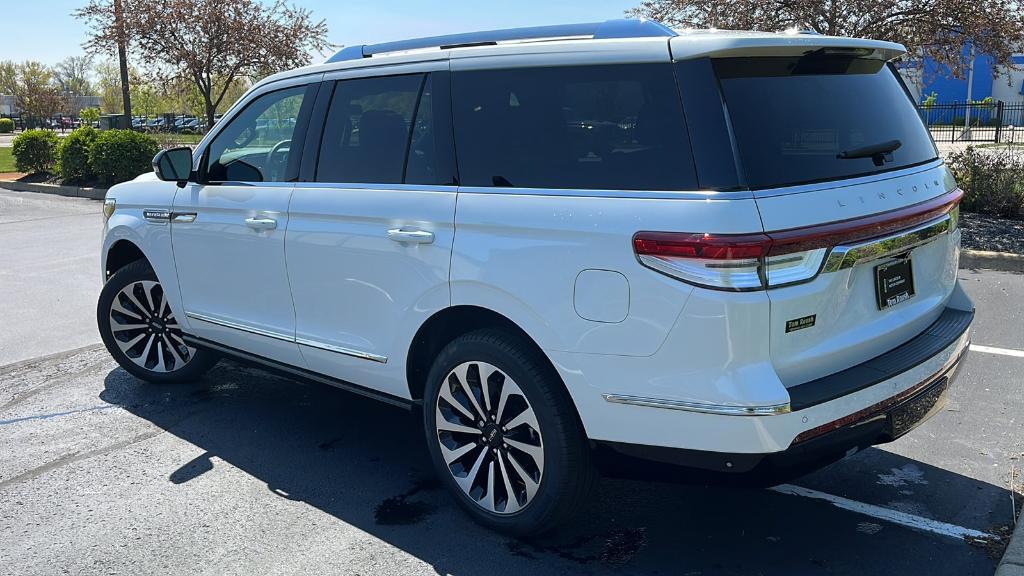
(894, 516)
(1002, 351)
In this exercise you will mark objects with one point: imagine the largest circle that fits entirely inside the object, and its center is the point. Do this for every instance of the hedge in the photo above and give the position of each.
(6, 125)
(992, 180)
(121, 155)
(73, 155)
(34, 151)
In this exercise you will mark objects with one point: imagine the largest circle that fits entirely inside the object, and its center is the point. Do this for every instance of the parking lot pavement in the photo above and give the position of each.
(49, 274)
(247, 472)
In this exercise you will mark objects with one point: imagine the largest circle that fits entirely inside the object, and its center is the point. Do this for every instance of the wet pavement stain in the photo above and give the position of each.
(613, 548)
(400, 511)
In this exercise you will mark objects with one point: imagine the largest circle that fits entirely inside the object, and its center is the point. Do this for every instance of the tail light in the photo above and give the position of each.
(755, 261)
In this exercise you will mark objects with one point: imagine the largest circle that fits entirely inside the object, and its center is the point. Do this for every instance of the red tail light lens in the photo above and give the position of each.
(706, 246)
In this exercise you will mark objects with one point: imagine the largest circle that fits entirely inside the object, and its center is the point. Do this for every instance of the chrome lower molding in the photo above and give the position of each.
(342, 350)
(720, 409)
(843, 257)
(287, 338)
(241, 327)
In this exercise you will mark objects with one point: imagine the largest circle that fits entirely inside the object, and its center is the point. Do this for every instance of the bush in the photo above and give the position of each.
(992, 180)
(121, 155)
(6, 125)
(73, 155)
(34, 151)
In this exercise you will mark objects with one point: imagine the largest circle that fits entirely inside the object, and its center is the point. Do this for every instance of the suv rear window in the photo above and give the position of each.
(795, 117)
(616, 127)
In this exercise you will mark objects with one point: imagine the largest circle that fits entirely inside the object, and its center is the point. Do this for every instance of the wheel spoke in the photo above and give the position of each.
(484, 386)
(145, 351)
(531, 484)
(161, 365)
(148, 291)
(535, 452)
(443, 424)
(512, 504)
(116, 326)
(453, 455)
(118, 307)
(178, 360)
(525, 417)
(131, 296)
(488, 500)
(462, 375)
(446, 393)
(467, 482)
(507, 387)
(126, 346)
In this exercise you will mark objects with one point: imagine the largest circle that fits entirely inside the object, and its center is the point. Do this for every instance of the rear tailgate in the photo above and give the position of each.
(836, 154)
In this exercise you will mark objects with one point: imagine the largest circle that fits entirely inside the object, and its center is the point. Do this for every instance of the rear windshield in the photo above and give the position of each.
(819, 117)
(616, 127)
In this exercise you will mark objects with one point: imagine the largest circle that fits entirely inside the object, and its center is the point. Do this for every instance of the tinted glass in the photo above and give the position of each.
(256, 145)
(795, 118)
(368, 130)
(596, 127)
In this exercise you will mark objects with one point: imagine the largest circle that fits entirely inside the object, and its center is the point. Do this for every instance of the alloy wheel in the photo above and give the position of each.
(145, 329)
(489, 437)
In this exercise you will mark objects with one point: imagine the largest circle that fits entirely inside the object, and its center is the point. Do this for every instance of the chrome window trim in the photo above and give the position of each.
(379, 186)
(594, 193)
(844, 257)
(288, 338)
(700, 407)
(393, 69)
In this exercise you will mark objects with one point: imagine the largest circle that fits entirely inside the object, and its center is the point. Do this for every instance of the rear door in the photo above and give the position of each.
(372, 223)
(837, 156)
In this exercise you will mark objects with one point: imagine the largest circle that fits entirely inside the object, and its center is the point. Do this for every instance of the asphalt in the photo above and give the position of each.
(247, 472)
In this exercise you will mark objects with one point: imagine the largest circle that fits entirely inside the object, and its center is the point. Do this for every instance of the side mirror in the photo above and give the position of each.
(174, 165)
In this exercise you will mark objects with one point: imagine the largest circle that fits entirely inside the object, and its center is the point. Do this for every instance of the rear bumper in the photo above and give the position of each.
(883, 420)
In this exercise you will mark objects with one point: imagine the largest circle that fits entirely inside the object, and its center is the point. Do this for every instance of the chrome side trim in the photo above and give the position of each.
(594, 193)
(858, 181)
(843, 257)
(242, 327)
(288, 338)
(342, 350)
(720, 409)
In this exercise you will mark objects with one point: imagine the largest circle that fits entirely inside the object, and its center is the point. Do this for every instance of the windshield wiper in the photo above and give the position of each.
(879, 153)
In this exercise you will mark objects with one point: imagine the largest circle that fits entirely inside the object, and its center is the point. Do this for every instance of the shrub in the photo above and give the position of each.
(992, 180)
(73, 155)
(34, 150)
(120, 155)
(6, 125)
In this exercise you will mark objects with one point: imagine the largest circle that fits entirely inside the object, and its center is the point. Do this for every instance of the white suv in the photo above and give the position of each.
(569, 248)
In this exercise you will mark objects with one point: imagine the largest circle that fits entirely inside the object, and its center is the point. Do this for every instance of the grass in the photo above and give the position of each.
(6, 160)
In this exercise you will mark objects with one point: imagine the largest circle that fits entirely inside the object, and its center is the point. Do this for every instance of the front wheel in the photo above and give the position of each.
(140, 331)
(504, 436)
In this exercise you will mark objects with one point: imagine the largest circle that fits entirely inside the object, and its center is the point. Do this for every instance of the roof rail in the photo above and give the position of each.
(620, 28)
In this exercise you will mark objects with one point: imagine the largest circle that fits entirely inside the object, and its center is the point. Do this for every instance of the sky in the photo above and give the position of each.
(46, 31)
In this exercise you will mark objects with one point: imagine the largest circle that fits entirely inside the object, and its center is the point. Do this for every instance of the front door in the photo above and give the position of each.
(228, 230)
(370, 238)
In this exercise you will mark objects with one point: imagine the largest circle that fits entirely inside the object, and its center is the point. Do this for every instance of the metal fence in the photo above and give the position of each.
(975, 121)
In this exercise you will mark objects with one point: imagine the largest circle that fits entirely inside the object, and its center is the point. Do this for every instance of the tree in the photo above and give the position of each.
(939, 29)
(72, 74)
(35, 92)
(8, 77)
(209, 43)
(108, 86)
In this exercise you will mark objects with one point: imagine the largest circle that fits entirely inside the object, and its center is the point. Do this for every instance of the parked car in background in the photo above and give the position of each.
(635, 272)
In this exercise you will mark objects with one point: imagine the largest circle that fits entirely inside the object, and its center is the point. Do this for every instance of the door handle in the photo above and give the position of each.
(261, 223)
(412, 236)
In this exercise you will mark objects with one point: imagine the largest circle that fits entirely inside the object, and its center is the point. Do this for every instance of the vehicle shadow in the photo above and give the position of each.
(365, 464)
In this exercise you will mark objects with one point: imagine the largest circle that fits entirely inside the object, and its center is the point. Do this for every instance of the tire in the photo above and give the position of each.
(520, 384)
(147, 345)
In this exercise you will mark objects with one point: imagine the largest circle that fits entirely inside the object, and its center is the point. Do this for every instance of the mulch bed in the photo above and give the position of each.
(991, 233)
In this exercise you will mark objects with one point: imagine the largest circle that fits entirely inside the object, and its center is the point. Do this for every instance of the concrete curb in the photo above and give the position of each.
(73, 191)
(1002, 261)
(1012, 563)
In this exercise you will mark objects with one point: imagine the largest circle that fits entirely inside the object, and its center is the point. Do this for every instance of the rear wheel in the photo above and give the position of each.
(141, 332)
(503, 434)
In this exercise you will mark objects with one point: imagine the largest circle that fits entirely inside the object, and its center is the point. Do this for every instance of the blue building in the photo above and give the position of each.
(989, 81)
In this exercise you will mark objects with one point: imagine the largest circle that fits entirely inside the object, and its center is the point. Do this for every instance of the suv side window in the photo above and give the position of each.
(616, 127)
(256, 146)
(379, 130)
